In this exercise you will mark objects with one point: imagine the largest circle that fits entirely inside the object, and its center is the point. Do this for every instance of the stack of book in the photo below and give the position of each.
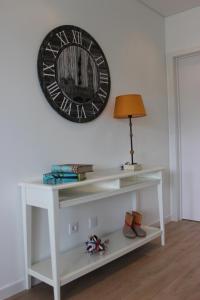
(67, 173)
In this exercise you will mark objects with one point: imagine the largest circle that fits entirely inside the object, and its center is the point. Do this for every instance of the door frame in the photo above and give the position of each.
(175, 129)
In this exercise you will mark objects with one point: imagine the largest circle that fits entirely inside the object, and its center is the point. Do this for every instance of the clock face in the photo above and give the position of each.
(74, 74)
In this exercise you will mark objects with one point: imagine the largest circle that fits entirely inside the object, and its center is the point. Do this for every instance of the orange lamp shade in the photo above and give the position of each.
(129, 105)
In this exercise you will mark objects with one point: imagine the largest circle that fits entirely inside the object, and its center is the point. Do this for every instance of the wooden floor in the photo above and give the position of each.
(149, 273)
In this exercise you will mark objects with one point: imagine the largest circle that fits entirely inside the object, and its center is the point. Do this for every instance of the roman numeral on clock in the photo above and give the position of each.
(50, 49)
(63, 38)
(90, 46)
(48, 70)
(99, 60)
(54, 90)
(102, 94)
(103, 78)
(81, 112)
(66, 105)
(77, 37)
(94, 108)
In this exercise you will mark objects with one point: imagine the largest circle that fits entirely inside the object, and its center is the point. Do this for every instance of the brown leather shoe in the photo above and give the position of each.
(127, 228)
(136, 226)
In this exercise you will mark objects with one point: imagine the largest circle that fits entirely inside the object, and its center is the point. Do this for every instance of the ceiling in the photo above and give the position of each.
(170, 7)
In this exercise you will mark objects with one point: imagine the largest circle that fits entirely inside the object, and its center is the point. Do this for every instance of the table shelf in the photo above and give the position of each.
(76, 262)
(93, 192)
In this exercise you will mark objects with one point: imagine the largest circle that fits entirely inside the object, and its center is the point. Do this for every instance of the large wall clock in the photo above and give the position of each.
(74, 74)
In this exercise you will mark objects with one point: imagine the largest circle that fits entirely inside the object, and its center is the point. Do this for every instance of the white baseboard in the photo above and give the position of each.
(12, 289)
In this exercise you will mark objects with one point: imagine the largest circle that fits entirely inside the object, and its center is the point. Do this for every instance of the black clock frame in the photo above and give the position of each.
(59, 45)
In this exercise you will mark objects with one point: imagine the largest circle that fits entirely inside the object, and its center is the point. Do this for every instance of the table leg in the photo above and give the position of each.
(53, 216)
(27, 232)
(161, 212)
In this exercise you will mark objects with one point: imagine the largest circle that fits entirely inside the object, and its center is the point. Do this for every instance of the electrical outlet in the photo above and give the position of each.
(73, 227)
(92, 222)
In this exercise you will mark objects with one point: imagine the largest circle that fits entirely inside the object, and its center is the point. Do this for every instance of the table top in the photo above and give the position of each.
(92, 177)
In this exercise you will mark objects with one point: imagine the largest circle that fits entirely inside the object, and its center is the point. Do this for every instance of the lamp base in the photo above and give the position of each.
(134, 167)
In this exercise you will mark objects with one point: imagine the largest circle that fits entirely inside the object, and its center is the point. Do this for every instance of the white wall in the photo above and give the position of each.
(182, 31)
(33, 135)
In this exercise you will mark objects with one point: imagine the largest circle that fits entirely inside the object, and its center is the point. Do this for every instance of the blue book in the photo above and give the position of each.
(62, 177)
(59, 180)
(65, 174)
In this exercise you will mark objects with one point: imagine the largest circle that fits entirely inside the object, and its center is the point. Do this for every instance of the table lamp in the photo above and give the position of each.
(129, 106)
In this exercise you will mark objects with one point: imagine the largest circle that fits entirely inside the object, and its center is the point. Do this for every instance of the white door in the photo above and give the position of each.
(189, 96)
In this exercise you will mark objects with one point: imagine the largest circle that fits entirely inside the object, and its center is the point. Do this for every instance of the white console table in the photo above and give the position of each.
(62, 268)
